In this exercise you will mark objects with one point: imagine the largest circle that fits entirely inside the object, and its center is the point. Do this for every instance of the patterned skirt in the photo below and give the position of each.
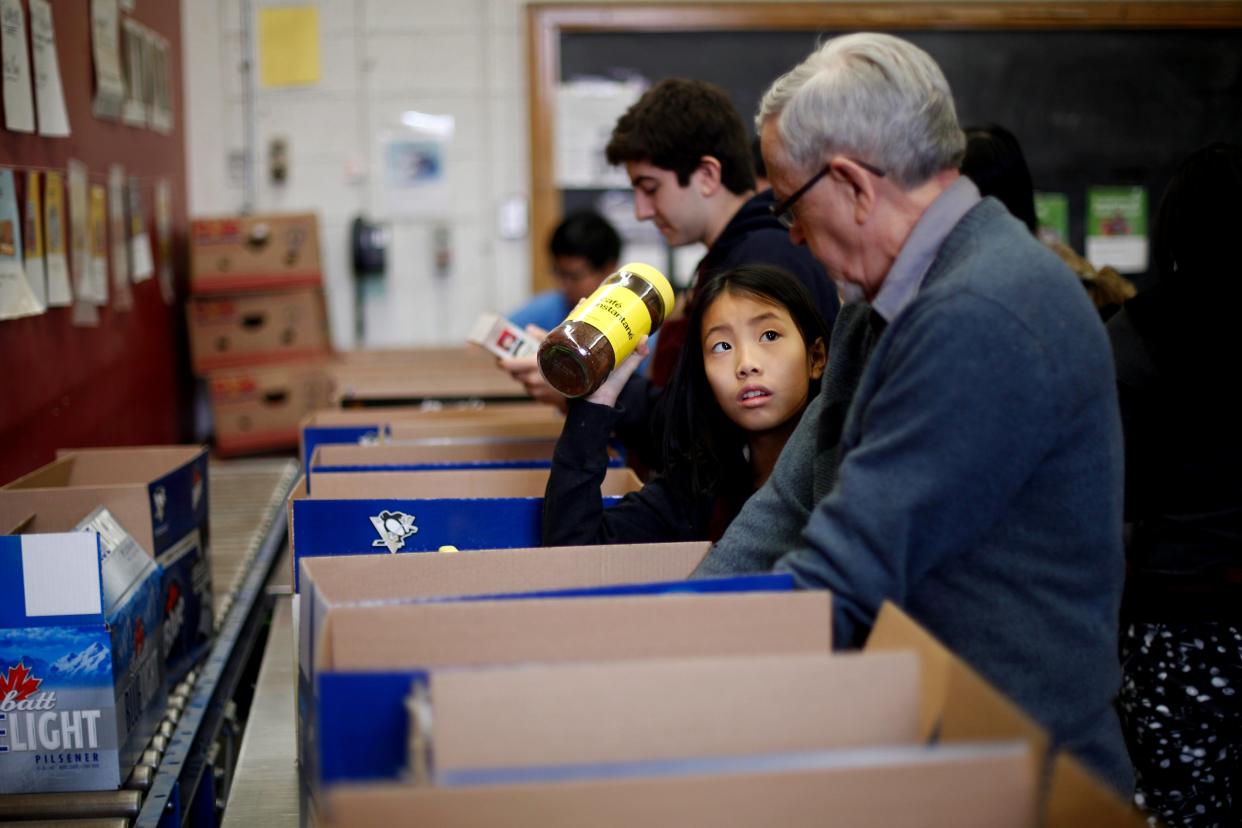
(1181, 709)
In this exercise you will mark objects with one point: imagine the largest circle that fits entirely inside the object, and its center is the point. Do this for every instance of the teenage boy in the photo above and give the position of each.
(688, 158)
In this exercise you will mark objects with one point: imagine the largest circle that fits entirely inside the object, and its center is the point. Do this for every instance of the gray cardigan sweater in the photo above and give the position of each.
(965, 462)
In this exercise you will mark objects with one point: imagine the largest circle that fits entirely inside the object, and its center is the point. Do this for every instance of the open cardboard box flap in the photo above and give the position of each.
(527, 429)
(957, 703)
(354, 578)
(495, 415)
(65, 505)
(450, 484)
(966, 792)
(72, 486)
(414, 636)
(333, 582)
(1077, 798)
(402, 454)
(499, 412)
(101, 466)
(571, 714)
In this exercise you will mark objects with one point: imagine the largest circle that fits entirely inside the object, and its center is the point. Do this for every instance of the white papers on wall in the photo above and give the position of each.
(158, 83)
(117, 238)
(59, 293)
(48, 91)
(106, 51)
(15, 59)
(134, 44)
(586, 111)
(163, 237)
(16, 298)
(414, 172)
(36, 273)
(84, 310)
(142, 267)
(97, 242)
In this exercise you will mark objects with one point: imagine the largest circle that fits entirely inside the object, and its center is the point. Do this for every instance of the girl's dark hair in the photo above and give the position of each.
(702, 446)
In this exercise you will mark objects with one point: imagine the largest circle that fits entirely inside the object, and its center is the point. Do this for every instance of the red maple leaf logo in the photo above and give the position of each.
(20, 681)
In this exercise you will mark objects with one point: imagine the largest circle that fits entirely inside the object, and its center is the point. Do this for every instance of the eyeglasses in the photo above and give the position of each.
(783, 210)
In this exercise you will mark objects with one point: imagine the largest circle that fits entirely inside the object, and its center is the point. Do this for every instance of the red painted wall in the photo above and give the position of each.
(126, 382)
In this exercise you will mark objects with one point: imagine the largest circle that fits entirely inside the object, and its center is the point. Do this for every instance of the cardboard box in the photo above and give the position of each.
(429, 455)
(524, 454)
(259, 408)
(1076, 797)
(381, 512)
(228, 330)
(81, 677)
(896, 788)
(982, 771)
(505, 721)
(159, 494)
(431, 374)
(258, 252)
(352, 689)
(593, 715)
(473, 423)
(335, 583)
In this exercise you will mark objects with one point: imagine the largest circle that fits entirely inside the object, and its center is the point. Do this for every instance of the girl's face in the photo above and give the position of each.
(757, 364)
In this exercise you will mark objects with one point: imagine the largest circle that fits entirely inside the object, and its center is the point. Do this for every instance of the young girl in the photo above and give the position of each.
(755, 351)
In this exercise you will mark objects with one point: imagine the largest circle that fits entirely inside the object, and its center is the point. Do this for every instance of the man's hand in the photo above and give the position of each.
(526, 371)
(607, 393)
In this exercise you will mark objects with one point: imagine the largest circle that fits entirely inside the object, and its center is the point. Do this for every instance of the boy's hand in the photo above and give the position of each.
(526, 371)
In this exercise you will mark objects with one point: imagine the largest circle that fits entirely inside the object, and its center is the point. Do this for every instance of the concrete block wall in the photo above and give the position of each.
(378, 60)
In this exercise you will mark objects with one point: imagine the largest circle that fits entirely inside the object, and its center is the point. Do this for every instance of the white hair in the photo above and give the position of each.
(872, 96)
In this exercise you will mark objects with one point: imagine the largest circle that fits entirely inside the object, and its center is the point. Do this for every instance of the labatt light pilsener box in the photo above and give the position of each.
(81, 678)
(159, 494)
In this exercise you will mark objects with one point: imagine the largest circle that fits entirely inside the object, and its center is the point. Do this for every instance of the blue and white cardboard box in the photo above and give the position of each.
(81, 677)
(159, 493)
(432, 455)
(388, 512)
(370, 628)
(402, 424)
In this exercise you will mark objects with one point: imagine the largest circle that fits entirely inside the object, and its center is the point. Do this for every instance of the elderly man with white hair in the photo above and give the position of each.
(964, 457)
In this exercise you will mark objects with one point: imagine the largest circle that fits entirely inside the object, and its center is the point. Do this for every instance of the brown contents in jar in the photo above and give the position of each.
(576, 357)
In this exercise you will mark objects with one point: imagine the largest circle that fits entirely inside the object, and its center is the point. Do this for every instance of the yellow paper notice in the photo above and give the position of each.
(288, 45)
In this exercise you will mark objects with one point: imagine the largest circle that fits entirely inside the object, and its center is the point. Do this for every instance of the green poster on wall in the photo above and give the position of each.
(1117, 228)
(1052, 217)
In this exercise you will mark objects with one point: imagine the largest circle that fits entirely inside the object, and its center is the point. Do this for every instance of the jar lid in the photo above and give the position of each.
(657, 280)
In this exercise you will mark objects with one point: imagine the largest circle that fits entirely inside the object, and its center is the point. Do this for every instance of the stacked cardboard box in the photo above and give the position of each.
(258, 326)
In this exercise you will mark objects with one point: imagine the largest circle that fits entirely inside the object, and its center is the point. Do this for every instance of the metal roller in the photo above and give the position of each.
(68, 823)
(70, 805)
(140, 778)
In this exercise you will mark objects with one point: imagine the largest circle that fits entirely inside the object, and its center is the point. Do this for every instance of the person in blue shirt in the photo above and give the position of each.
(585, 249)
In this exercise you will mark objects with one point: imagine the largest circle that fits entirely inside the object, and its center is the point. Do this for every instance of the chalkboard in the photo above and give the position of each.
(1090, 106)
